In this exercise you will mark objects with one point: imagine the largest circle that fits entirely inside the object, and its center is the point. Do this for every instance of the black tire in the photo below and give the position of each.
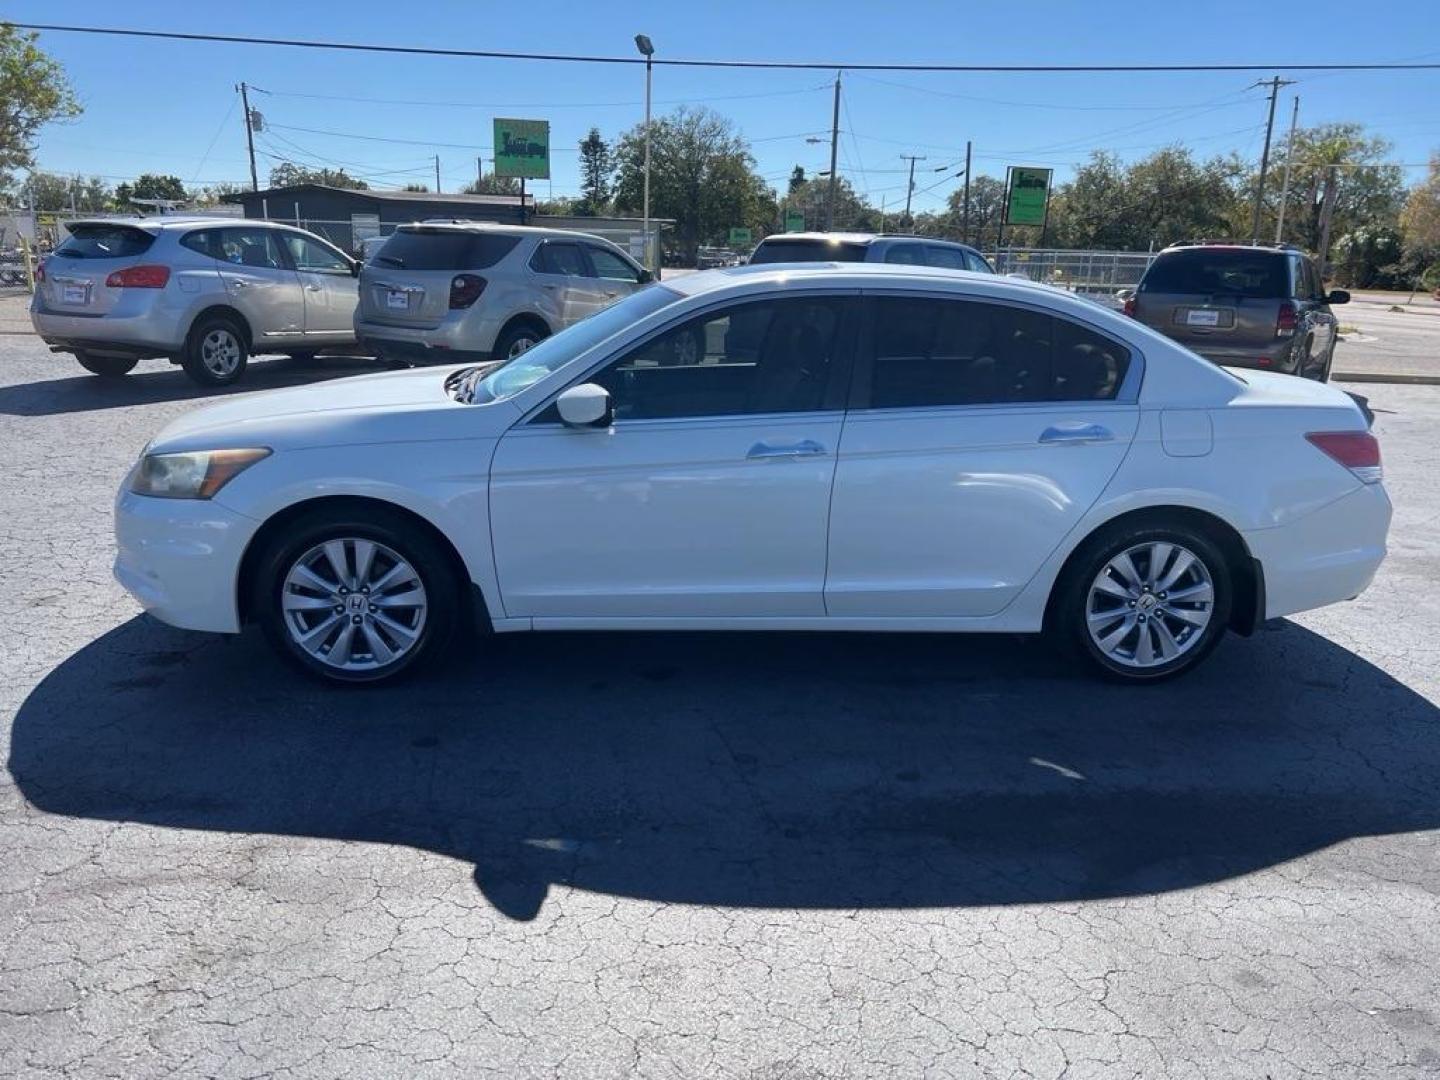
(526, 332)
(1324, 373)
(204, 341)
(1303, 359)
(107, 367)
(432, 565)
(1069, 614)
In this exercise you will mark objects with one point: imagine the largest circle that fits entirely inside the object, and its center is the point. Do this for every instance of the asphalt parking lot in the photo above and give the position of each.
(680, 856)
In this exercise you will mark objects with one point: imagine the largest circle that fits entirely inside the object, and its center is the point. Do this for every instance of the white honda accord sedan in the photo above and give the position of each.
(808, 447)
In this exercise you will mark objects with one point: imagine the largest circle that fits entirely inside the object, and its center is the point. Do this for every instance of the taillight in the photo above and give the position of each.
(1129, 308)
(1285, 321)
(465, 289)
(139, 277)
(1358, 451)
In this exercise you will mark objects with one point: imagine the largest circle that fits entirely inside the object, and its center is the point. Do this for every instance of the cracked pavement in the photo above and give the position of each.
(780, 856)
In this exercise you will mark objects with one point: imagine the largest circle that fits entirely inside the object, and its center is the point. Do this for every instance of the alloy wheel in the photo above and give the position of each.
(518, 346)
(220, 351)
(353, 604)
(1150, 604)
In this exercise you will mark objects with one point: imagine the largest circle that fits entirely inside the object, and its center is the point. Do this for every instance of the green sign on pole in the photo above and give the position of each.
(739, 235)
(794, 221)
(1027, 191)
(522, 148)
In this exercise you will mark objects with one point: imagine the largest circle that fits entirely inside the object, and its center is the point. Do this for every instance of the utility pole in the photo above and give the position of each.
(834, 148)
(1274, 84)
(1289, 160)
(965, 213)
(437, 174)
(249, 135)
(910, 187)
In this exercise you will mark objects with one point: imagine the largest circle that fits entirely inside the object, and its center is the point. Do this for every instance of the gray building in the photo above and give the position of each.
(345, 216)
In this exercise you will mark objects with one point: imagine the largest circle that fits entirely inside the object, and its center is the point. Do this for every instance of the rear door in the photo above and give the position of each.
(979, 435)
(1215, 297)
(564, 272)
(75, 272)
(330, 286)
(260, 282)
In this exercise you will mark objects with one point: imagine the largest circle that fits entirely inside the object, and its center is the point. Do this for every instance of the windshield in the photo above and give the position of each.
(1208, 271)
(817, 250)
(555, 352)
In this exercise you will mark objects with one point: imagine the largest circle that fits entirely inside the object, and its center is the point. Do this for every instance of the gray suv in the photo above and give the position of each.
(473, 291)
(206, 293)
(1242, 305)
(868, 247)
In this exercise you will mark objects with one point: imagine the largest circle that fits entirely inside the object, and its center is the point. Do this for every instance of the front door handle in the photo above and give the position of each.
(803, 448)
(1076, 433)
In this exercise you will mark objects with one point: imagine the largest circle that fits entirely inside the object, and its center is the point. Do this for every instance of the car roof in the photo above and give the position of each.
(863, 238)
(859, 275)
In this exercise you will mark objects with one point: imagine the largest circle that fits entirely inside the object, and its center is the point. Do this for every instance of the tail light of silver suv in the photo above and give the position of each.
(465, 289)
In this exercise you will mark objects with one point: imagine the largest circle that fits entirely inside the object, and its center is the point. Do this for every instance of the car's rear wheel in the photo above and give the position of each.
(1145, 601)
(109, 367)
(216, 352)
(357, 598)
(518, 339)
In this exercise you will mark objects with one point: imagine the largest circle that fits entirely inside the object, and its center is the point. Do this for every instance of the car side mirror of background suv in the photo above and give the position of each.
(1337, 296)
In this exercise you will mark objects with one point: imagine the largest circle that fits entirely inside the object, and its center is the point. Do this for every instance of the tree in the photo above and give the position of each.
(50, 192)
(33, 92)
(1344, 160)
(797, 180)
(211, 194)
(151, 186)
(412, 186)
(597, 166)
(702, 176)
(1420, 224)
(289, 174)
(490, 184)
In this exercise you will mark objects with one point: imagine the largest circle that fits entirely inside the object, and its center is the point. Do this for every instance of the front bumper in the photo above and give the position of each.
(1324, 557)
(180, 558)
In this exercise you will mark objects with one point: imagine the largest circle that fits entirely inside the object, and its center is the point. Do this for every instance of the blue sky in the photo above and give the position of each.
(170, 106)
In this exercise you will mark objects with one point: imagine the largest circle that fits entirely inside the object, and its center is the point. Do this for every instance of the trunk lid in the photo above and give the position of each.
(407, 282)
(75, 272)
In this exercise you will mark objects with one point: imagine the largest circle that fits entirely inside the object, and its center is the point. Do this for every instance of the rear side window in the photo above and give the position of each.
(105, 242)
(1218, 271)
(906, 255)
(947, 258)
(778, 251)
(443, 249)
(930, 353)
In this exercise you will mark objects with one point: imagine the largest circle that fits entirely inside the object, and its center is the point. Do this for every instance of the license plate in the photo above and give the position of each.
(1203, 318)
(74, 294)
(395, 298)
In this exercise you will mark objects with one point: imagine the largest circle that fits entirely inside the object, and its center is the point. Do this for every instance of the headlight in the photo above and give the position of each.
(196, 475)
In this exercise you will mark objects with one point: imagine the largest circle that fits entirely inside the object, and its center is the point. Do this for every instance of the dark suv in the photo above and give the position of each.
(1242, 306)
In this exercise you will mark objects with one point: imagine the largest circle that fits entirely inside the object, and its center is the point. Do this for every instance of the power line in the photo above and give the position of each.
(530, 104)
(801, 65)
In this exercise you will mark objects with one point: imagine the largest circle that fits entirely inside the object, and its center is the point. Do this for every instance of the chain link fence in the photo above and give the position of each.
(1100, 274)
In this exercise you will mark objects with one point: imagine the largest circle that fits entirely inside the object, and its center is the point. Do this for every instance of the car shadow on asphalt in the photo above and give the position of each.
(760, 770)
(84, 392)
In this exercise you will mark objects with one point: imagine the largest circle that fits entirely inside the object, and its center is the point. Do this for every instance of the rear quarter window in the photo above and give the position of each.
(415, 249)
(1258, 274)
(105, 242)
(787, 251)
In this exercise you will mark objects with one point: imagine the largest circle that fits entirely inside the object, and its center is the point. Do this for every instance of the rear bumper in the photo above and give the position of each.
(106, 335)
(1324, 557)
(180, 559)
(1276, 357)
(468, 340)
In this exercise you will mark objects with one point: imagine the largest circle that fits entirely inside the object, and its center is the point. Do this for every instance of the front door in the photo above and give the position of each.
(983, 434)
(260, 283)
(618, 277)
(330, 287)
(572, 291)
(707, 496)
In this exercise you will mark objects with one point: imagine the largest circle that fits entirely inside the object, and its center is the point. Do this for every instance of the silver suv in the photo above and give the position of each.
(206, 293)
(474, 291)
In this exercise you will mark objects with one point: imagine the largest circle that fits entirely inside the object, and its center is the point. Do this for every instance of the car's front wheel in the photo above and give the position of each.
(108, 367)
(1145, 601)
(357, 597)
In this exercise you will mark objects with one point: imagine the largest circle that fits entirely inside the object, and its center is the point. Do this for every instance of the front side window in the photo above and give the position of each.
(609, 265)
(315, 258)
(255, 248)
(566, 259)
(930, 353)
(976, 262)
(768, 356)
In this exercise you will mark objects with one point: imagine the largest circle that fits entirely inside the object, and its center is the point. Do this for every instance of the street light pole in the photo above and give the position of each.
(647, 50)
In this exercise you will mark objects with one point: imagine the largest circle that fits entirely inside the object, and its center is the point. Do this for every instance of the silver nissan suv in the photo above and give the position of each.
(206, 293)
(471, 291)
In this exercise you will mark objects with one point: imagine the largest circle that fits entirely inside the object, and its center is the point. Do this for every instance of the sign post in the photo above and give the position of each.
(794, 221)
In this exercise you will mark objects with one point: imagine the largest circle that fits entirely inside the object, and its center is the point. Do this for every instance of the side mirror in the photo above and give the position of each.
(355, 266)
(586, 405)
(1338, 296)
(646, 277)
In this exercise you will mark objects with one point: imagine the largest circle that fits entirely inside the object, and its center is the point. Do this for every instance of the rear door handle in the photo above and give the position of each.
(803, 448)
(1076, 433)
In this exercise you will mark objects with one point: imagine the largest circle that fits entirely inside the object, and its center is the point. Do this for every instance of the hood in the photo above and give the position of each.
(393, 406)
